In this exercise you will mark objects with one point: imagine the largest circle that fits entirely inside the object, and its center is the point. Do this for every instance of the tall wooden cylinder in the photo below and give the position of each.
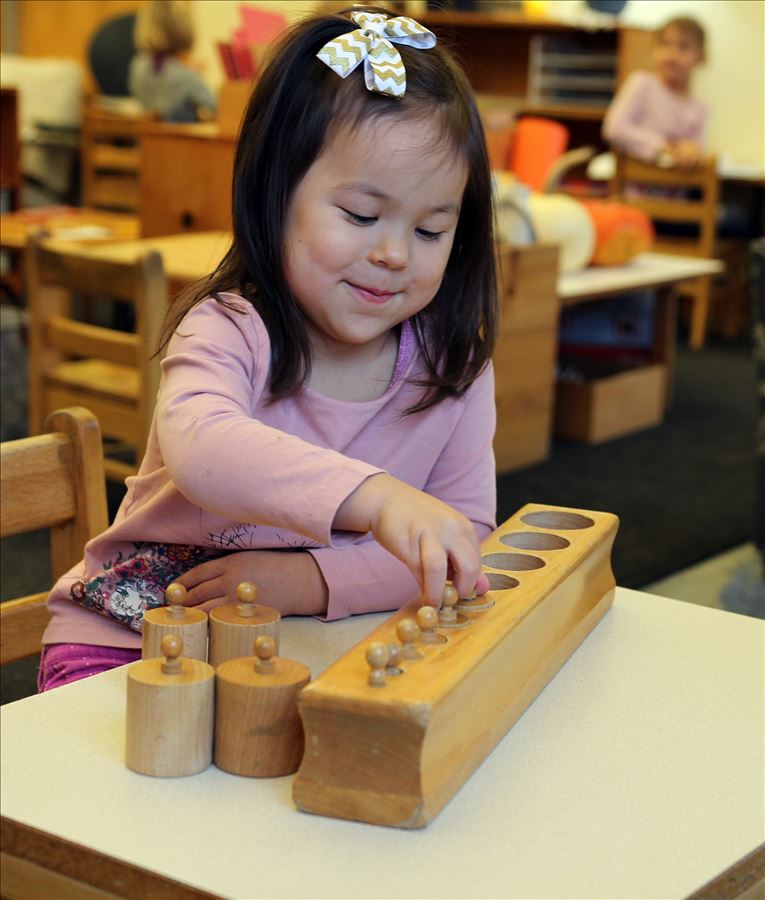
(235, 627)
(170, 714)
(258, 731)
(187, 622)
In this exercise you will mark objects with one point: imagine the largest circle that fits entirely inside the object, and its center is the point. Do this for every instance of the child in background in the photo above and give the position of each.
(158, 77)
(653, 116)
(325, 419)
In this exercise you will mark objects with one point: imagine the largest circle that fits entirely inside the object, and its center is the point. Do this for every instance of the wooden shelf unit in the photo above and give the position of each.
(495, 50)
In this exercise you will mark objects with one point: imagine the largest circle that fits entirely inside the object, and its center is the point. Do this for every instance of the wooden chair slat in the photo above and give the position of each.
(83, 339)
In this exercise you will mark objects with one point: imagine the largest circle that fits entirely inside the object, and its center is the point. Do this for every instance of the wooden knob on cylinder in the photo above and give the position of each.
(170, 717)
(448, 617)
(258, 731)
(448, 614)
(265, 649)
(234, 627)
(427, 619)
(377, 657)
(247, 595)
(408, 631)
(172, 647)
(175, 595)
(187, 622)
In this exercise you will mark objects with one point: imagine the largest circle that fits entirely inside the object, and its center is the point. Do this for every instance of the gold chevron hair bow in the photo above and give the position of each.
(383, 67)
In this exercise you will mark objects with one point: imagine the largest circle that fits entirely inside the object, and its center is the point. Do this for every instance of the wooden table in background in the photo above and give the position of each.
(71, 223)
(649, 271)
(185, 257)
(637, 772)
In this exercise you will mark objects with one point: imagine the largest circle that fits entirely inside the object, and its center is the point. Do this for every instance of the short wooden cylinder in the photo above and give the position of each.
(232, 636)
(258, 731)
(191, 629)
(170, 718)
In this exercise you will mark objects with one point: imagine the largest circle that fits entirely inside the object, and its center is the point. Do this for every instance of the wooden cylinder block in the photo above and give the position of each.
(258, 731)
(186, 622)
(234, 628)
(170, 714)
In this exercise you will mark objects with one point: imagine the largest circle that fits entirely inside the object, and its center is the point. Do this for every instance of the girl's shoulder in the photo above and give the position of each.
(226, 317)
(642, 80)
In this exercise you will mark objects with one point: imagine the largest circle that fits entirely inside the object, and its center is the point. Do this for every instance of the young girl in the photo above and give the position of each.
(325, 419)
(158, 77)
(654, 117)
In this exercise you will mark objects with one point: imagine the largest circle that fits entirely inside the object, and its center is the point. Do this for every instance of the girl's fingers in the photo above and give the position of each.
(466, 562)
(433, 565)
(213, 568)
(482, 584)
(207, 590)
(211, 604)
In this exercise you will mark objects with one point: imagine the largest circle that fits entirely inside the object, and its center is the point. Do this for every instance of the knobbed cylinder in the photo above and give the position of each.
(170, 713)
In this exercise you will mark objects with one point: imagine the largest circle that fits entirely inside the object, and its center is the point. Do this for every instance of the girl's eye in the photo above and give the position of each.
(359, 220)
(429, 235)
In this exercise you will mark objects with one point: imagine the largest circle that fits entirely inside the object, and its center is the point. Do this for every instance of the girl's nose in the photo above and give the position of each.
(391, 251)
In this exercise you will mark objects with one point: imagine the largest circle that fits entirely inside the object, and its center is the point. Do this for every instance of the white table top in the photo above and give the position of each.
(644, 271)
(638, 772)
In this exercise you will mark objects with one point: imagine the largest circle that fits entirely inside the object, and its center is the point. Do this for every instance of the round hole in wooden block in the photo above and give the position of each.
(557, 521)
(500, 582)
(534, 540)
(513, 562)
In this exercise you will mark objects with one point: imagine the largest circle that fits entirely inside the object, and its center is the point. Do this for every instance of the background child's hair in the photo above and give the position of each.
(688, 26)
(284, 130)
(164, 26)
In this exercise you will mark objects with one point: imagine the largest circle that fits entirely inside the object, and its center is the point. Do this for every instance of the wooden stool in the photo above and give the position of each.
(170, 713)
(188, 623)
(258, 731)
(233, 628)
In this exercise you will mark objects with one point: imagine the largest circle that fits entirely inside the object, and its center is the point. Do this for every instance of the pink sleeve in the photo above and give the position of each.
(623, 126)
(222, 459)
(364, 577)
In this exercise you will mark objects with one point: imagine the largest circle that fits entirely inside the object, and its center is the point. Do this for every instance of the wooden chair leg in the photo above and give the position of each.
(700, 313)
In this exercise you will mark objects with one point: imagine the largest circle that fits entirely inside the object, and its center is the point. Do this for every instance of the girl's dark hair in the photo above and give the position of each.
(285, 127)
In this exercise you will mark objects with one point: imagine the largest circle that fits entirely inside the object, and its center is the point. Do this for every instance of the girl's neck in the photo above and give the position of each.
(353, 373)
(681, 88)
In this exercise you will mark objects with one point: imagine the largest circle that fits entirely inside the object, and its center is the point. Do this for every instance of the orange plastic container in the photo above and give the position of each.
(537, 144)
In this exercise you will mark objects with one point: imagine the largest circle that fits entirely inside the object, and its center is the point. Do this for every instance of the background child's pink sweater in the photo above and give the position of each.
(645, 115)
(225, 470)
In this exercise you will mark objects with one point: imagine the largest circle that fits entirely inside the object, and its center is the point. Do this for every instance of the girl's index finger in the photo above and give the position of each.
(203, 572)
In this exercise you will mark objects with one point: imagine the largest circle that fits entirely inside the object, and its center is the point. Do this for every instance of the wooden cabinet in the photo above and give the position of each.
(185, 181)
(524, 357)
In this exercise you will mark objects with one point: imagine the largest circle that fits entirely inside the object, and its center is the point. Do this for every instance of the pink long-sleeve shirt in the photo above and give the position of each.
(645, 115)
(224, 470)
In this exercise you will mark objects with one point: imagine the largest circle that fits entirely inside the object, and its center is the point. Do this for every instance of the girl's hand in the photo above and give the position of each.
(686, 154)
(289, 581)
(430, 538)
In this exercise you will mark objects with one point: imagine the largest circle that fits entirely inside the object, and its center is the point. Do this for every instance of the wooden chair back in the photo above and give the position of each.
(114, 373)
(53, 480)
(110, 159)
(651, 187)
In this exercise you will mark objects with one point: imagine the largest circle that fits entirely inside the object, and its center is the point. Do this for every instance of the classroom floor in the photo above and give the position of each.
(732, 580)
